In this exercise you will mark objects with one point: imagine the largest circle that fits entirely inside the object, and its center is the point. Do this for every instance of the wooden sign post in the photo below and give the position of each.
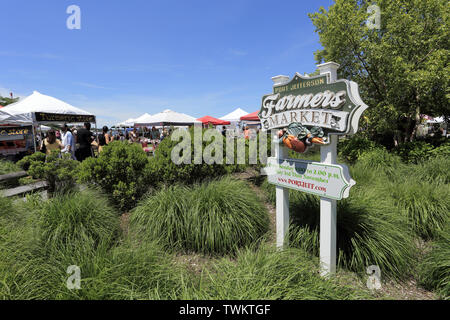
(328, 216)
(311, 110)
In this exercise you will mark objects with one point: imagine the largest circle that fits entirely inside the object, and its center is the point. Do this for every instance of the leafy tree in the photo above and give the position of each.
(401, 67)
(4, 101)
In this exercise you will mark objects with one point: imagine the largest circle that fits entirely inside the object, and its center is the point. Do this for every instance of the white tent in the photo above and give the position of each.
(126, 123)
(435, 120)
(142, 119)
(168, 117)
(234, 116)
(22, 111)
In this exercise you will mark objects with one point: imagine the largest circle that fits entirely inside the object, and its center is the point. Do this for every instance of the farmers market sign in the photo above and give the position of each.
(313, 102)
(325, 180)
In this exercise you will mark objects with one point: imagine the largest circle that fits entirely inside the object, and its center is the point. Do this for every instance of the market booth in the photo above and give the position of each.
(207, 120)
(251, 120)
(31, 113)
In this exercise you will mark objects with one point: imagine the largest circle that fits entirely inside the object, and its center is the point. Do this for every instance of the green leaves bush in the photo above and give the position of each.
(121, 170)
(212, 218)
(35, 158)
(162, 166)
(59, 170)
(352, 148)
(415, 151)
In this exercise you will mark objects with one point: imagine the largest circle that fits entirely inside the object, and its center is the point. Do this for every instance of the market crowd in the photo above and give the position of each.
(81, 143)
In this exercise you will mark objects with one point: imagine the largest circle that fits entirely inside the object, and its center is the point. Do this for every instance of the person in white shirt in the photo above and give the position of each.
(68, 141)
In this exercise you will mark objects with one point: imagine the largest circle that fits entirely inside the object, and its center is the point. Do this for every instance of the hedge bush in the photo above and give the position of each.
(162, 166)
(59, 170)
(415, 151)
(213, 218)
(121, 170)
(353, 147)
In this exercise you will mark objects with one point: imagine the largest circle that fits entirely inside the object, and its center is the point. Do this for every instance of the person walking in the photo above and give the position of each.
(50, 143)
(104, 139)
(68, 141)
(85, 138)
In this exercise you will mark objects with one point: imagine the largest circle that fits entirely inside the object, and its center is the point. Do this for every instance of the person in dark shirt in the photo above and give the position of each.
(85, 138)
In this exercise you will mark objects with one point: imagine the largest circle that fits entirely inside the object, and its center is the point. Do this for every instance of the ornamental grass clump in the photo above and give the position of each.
(78, 219)
(434, 269)
(211, 218)
(370, 231)
(267, 273)
(423, 203)
(8, 167)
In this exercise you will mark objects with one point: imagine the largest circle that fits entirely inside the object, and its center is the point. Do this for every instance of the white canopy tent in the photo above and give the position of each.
(234, 116)
(22, 112)
(130, 122)
(126, 123)
(38, 109)
(436, 120)
(167, 118)
(142, 119)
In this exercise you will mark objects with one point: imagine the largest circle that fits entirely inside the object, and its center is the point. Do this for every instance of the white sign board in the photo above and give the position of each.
(325, 180)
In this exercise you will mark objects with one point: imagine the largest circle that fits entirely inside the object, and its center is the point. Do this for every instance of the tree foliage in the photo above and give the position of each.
(4, 101)
(401, 67)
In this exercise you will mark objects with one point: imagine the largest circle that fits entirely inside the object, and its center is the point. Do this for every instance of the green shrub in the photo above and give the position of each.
(270, 274)
(121, 170)
(415, 151)
(434, 270)
(352, 148)
(80, 218)
(215, 217)
(58, 170)
(441, 151)
(370, 231)
(167, 171)
(27, 161)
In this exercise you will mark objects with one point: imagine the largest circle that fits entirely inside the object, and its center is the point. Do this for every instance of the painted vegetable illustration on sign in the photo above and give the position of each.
(297, 137)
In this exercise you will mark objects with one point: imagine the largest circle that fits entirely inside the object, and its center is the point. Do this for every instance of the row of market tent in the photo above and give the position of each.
(38, 110)
(31, 110)
(169, 117)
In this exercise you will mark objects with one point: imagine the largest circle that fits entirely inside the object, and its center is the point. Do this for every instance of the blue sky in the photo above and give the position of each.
(137, 56)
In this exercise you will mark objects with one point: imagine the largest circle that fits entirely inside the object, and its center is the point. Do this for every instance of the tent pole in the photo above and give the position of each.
(34, 138)
(96, 135)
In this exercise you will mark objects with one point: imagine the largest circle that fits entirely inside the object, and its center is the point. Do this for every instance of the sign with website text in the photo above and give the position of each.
(313, 102)
(325, 180)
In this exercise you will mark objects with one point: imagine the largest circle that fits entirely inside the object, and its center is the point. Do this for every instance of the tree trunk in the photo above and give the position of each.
(416, 124)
